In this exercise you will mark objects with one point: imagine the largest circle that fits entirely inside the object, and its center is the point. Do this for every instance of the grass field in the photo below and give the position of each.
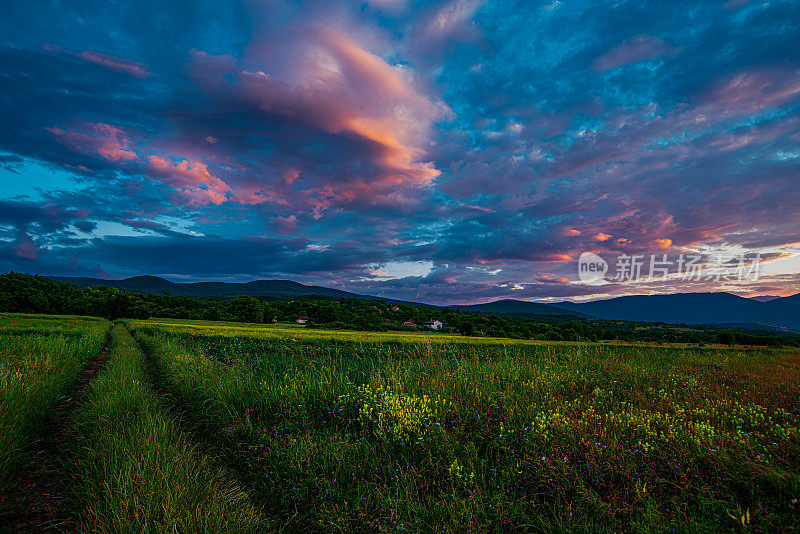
(40, 357)
(136, 471)
(194, 426)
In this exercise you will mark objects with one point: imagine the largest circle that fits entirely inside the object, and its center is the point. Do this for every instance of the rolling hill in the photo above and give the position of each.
(260, 288)
(695, 308)
(520, 308)
(286, 288)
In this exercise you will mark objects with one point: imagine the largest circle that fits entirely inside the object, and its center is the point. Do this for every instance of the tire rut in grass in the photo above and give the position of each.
(167, 399)
(197, 430)
(42, 494)
(232, 454)
(220, 449)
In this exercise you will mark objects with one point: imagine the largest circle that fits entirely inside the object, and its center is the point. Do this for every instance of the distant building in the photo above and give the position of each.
(410, 322)
(302, 319)
(435, 324)
(395, 308)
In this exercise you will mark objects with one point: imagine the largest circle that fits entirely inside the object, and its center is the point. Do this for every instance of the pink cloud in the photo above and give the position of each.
(632, 51)
(284, 225)
(753, 90)
(192, 179)
(108, 61)
(136, 70)
(452, 21)
(338, 87)
(25, 248)
(109, 142)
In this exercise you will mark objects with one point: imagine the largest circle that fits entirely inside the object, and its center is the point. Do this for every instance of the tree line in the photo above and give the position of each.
(24, 293)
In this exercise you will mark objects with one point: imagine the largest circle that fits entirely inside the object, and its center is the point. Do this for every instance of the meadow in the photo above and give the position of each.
(40, 357)
(199, 426)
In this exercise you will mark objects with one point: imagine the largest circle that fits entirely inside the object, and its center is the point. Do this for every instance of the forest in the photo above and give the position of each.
(23, 293)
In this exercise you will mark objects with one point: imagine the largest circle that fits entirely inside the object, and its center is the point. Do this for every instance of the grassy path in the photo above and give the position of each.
(41, 490)
(135, 470)
(45, 366)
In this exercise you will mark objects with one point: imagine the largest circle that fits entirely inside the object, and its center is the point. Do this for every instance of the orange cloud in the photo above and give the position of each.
(661, 244)
(559, 258)
(339, 87)
(601, 237)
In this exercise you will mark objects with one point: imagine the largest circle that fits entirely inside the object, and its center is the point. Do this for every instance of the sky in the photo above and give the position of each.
(443, 152)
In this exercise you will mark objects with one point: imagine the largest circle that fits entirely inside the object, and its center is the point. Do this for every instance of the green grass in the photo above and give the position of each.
(304, 333)
(397, 434)
(40, 359)
(248, 428)
(136, 470)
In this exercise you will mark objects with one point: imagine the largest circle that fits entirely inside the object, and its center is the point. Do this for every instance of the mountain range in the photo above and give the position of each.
(260, 288)
(521, 308)
(680, 308)
(695, 309)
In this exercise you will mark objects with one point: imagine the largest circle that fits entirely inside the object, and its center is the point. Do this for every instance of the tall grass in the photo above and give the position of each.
(136, 471)
(455, 436)
(40, 359)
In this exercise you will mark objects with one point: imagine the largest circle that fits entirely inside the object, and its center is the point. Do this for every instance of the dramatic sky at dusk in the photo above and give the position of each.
(455, 151)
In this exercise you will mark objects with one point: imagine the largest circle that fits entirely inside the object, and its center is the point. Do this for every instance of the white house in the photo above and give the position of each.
(435, 324)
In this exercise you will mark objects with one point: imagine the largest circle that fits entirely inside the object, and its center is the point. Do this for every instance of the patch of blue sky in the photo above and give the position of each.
(32, 180)
(757, 119)
(111, 228)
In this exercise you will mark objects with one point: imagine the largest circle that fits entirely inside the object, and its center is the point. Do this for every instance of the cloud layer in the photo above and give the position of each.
(451, 151)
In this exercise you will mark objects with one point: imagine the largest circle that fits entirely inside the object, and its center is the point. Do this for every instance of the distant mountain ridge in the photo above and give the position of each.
(260, 288)
(696, 309)
(690, 308)
(287, 288)
(765, 298)
(519, 307)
